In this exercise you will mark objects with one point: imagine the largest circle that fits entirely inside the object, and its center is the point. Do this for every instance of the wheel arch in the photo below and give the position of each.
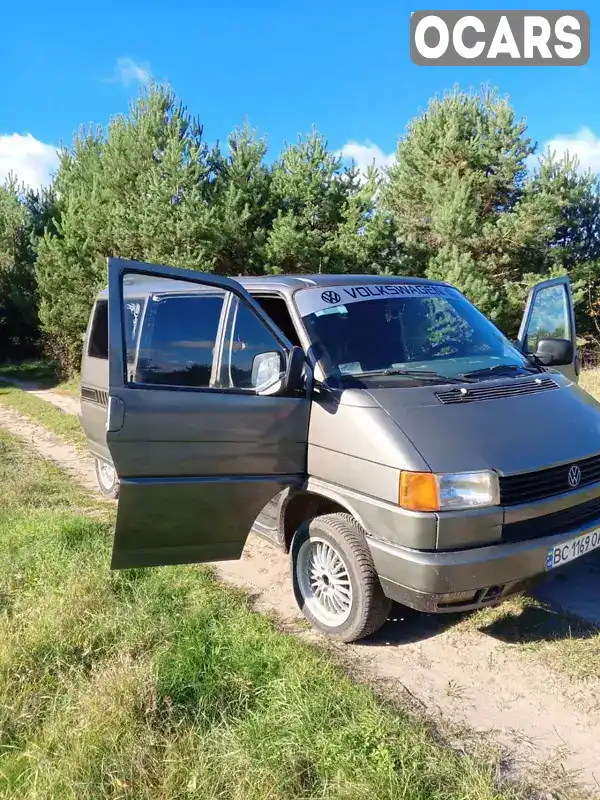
(313, 500)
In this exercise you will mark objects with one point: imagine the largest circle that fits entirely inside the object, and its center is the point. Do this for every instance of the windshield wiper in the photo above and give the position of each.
(498, 369)
(424, 374)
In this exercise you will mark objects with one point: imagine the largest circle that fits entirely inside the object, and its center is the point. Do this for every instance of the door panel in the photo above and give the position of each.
(197, 460)
(186, 520)
(550, 313)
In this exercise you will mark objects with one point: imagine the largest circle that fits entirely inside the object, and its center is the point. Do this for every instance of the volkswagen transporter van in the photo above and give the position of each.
(380, 430)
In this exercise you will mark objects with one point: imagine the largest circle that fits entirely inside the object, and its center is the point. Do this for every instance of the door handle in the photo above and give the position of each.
(115, 414)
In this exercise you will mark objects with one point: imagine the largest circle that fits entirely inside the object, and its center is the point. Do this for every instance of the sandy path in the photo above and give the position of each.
(461, 678)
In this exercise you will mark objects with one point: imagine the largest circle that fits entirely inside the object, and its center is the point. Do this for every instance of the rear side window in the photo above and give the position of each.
(178, 341)
(98, 343)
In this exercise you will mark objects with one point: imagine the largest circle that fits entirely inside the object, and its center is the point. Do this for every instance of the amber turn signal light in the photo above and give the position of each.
(419, 491)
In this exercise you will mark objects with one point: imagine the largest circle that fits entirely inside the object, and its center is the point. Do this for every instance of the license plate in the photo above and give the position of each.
(569, 551)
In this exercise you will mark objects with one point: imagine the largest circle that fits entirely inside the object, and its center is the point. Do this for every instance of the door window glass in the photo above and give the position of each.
(176, 335)
(179, 337)
(252, 356)
(550, 318)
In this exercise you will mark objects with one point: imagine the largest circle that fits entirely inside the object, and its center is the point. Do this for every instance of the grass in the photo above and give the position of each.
(590, 381)
(162, 683)
(44, 413)
(561, 642)
(44, 374)
(38, 371)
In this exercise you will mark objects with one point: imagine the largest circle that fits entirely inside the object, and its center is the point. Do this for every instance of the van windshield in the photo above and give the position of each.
(396, 328)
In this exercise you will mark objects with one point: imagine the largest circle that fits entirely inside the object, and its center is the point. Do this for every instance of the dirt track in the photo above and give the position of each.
(460, 677)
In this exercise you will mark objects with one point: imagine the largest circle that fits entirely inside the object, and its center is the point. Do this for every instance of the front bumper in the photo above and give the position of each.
(464, 579)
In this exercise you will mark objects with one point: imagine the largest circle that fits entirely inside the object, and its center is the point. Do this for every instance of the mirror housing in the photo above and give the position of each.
(294, 374)
(555, 352)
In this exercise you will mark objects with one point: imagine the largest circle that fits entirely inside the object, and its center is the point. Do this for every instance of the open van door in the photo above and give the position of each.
(208, 424)
(548, 326)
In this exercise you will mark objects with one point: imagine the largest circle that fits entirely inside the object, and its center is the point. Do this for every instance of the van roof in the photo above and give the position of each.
(288, 284)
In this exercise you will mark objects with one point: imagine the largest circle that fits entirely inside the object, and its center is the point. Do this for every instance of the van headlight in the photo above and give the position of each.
(427, 491)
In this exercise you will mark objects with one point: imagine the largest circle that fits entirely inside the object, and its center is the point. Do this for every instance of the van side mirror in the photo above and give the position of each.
(267, 369)
(294, 375)
(555, 352)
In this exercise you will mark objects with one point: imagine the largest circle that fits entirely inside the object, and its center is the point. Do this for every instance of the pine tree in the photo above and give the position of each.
(18, 301)
(469, 211)
(458, 175)
(243, 209)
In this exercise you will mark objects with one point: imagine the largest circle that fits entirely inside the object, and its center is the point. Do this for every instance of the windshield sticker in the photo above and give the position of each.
(331, 310)
(351, 368)
(314, 301)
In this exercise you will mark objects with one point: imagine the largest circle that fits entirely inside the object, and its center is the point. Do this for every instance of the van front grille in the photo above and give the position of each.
(568, 519)
(532, 486)
(513, 389)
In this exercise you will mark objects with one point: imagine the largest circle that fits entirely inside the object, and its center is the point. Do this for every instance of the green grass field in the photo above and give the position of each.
(162, 683)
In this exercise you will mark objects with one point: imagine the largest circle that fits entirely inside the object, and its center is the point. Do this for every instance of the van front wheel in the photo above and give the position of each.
(108, 480)
(334, 578)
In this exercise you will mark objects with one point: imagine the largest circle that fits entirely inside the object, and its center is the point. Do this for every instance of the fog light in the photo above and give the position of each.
(458, 597)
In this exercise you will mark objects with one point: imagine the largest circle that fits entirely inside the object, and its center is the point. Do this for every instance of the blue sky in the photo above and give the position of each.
(342, 66)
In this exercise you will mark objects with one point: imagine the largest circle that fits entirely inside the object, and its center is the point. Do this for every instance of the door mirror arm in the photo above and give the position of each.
(534, 360)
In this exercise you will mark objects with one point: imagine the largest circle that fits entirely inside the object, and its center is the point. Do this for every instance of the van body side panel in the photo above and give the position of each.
(365, 434)
(382, 521)
(357, 452)
(94, 402)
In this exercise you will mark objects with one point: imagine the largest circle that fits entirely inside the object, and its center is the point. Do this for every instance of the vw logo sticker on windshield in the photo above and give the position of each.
(574, 476)
(331, 297)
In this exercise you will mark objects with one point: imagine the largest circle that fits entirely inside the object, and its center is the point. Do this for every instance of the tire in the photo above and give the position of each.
(107, 479)
(334, 579)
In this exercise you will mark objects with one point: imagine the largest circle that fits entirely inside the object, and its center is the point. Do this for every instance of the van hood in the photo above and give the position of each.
(511, 434)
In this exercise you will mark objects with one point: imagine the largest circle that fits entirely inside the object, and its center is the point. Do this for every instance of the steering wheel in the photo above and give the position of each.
(453, 344)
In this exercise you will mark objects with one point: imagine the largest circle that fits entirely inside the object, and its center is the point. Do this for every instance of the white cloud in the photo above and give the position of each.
(584, 144)
(365, 155)
(30, 160)
(128, 71)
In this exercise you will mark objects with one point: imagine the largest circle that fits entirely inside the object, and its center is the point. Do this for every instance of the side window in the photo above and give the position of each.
(550, 317)
(179, 339)
(98, 341)
(252, 357)
(276, 308)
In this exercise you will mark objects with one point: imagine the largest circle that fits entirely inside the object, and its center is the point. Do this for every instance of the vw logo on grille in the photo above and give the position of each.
(574, 476)
(331, 297)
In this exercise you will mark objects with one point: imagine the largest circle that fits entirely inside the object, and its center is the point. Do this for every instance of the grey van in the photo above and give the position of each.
(379, 429)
